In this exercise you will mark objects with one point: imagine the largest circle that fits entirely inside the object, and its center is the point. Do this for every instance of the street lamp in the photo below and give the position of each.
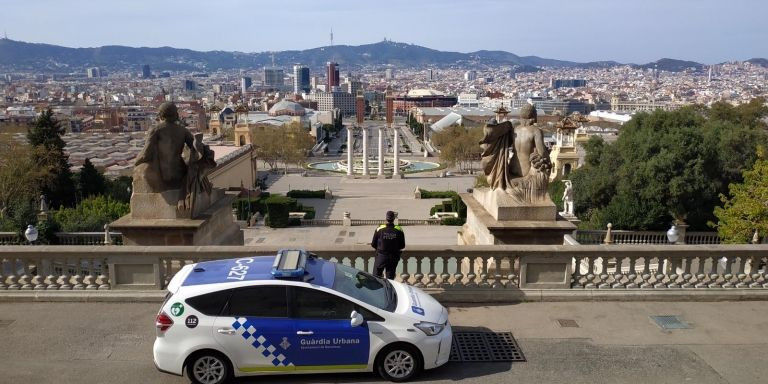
(673, 234)
(31, 234)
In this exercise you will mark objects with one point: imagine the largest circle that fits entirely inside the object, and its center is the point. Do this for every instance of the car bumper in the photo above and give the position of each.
(166, 359)
(437, 349)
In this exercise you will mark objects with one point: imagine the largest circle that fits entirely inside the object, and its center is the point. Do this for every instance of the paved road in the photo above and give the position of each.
(615, 343)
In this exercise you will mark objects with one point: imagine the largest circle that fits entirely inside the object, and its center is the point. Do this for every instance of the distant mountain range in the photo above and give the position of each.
(22, 56)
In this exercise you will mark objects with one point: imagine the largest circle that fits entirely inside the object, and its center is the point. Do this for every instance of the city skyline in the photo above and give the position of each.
(590, 30)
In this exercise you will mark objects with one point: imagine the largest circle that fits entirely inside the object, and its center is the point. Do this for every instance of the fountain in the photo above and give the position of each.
(406, 166)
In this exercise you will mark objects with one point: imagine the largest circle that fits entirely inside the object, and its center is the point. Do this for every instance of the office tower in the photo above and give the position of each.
(145, 71)
(431, 75)
(389, 74)
(189, 85)
(300, 79)
(332, 75)
(567, 83)
(245, 83)
(273, 77)
(94, 72)
(470, 75)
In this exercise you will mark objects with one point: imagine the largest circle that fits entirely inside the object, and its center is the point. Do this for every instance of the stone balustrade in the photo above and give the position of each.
(455, 272)
(642, 237)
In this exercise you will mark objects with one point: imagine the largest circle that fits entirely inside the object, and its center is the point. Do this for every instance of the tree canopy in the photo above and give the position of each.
(746, 210)
(287, 144)
(668, 165)
(56, 184)
(458, 146)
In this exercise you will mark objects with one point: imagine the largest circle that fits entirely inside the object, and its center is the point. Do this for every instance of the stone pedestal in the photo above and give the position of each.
(154, 220)
(492, 219)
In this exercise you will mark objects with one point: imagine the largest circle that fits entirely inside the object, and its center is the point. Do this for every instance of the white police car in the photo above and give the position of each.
(295, 313)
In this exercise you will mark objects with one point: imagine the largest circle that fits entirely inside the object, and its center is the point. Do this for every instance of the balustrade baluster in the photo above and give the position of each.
(471, 276)
(576, 276)
(431, 276)
(90, 278)
(38, 280)
(53, 276)
(497, 273)
(64, 279)
(632, 273)
(618, 274)
(445, 277)
(25, 279)
(103, 279)
(78, 278)
(405, 276)
(728, 273)
(366, 263)
(484, 272)
(418, 276)
(675, 265)
(458, 277)
(645, 274)
(590, 282)
(741, 273)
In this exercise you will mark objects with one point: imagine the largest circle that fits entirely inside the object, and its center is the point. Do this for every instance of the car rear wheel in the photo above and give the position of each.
(209, 368)
(399, 363)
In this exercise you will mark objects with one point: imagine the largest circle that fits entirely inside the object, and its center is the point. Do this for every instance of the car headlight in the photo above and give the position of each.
(430, 329)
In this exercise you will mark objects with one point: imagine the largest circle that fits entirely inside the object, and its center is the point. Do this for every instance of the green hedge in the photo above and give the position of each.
(455, 204)
(453, 221)
(257, 205)
(306, 194)
(278, 208)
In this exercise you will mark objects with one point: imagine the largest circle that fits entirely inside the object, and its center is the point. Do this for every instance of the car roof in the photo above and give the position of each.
(318, 271)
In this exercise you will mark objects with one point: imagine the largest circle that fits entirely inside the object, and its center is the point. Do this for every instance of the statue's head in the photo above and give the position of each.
(168, 112)
(528, 112)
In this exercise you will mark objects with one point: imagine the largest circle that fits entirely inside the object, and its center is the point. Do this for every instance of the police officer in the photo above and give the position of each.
(388, 240)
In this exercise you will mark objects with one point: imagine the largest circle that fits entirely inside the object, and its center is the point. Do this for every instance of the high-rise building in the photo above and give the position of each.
(352, 86)
(94, 72)
(470, 75)
(431, 74)
(273, 77)
(190, 85)
(245, 83)
(567, 83)
(300, 79)
(328, 101)
(389, 74)
(146, 71)
(332, 75)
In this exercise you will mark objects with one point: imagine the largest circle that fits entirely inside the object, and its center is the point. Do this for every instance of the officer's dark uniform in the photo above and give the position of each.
(388, 240)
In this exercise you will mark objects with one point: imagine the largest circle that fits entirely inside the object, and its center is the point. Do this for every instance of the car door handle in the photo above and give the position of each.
(226, 331)
(305, 333)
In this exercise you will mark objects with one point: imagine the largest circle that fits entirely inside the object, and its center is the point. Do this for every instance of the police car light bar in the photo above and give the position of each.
(290, 263)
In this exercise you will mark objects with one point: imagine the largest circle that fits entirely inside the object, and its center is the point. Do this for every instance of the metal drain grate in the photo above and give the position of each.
(484, 347)
(670, 322)
(567, 323)
(5, 323)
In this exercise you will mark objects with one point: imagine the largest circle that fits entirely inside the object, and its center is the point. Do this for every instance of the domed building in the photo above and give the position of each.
(287, 108)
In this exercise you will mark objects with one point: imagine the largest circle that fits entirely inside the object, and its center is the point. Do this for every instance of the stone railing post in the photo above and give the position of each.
(608, 235)
(107, 235)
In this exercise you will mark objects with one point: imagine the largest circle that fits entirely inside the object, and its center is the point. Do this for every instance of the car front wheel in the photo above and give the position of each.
(399, 363)
(209, 368)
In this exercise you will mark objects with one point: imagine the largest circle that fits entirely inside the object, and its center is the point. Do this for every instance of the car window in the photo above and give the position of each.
(314, 304)
(258, 301)
(210, 304)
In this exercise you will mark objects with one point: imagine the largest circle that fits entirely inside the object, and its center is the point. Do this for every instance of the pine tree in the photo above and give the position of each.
(45, 134)
(90, 182)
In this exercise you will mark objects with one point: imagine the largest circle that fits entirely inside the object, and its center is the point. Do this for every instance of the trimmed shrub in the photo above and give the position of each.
(453, 221)
(278, 208)
(306, 194)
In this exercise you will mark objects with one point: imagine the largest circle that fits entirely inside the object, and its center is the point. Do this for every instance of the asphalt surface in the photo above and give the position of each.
(614, 343)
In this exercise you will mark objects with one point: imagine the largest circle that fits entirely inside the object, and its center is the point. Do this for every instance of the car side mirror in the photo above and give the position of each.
(356, 319)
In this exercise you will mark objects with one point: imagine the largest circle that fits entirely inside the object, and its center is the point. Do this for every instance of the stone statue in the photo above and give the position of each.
(515, 159)
(160, 167)
(567, 199)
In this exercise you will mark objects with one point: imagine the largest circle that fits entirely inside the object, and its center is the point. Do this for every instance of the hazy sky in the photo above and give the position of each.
(638, 31)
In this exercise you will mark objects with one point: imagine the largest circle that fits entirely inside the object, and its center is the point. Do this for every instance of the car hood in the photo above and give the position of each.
(418, 305)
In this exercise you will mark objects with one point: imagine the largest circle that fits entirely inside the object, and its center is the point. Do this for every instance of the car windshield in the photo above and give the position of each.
(365, 287)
